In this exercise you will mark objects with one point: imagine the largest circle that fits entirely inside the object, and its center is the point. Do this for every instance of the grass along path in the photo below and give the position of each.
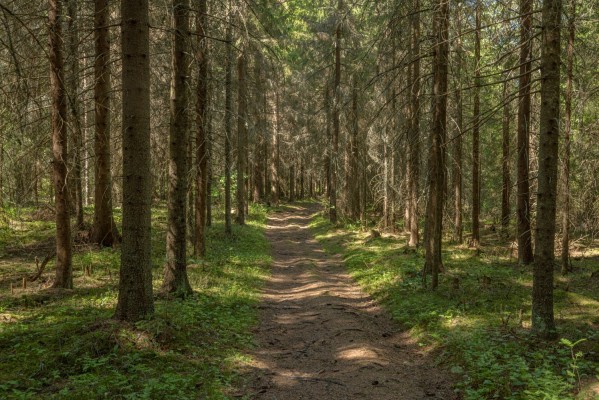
(64, 345)
(478, 320)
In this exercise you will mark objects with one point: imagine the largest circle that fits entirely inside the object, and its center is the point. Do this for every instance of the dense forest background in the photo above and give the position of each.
(447, 127)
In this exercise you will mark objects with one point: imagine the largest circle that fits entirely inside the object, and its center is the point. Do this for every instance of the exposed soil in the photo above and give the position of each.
(321, 337)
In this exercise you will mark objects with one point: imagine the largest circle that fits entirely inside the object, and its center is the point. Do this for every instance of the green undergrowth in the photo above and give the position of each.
(64, 345)
(477, 322)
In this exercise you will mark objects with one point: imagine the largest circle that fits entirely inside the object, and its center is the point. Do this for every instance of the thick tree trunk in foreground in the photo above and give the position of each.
(542, 292)
(241, 139)
(436, 181)
(201, 135)
(135, 284)
(64, 268)
(104, 231)
(175, 269)
(525, 255)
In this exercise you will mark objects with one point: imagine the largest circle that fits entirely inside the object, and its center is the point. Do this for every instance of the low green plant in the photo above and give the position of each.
(66, 346)
(478, 319)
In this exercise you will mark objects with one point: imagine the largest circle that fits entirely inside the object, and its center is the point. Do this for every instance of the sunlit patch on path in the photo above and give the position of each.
(320, 336)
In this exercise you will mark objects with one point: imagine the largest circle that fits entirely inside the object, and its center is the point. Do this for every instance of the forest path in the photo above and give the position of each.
(321, 337)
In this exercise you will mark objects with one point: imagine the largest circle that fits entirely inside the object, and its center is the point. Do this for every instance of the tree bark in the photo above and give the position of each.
(458, 232)
(436, 181)
(64, 268)
(413, 165)
(104, 231)
(525, 255)
(336, 122)
(505, 161)
(542, 293)
(73, 82)
(241, 139)
(565, 256)
(355, 175)
(228, 118)
(476, 135)
(201, 135)
(175, 269)
(135, 300)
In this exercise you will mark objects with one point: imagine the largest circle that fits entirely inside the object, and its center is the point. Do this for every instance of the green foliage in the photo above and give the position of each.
(66, 346)
(479, 326)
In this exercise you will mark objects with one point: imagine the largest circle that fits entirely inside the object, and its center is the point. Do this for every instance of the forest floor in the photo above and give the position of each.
(321, 336)
(65, 344)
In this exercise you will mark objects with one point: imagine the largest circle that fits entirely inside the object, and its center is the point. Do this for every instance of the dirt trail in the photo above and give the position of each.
(321, 337)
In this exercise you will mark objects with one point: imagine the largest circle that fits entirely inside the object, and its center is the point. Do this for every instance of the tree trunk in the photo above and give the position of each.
(241, 139)
(505, 162)
(476, 135)
(208, 124)
(260, 154)
(542, 292)
(458, 232)
(274, 159)
(434, 215)
(292, 183)
(135, 299)
(73, 82)
(414, 132)
(104, 231)
(302, 172)
(175, 269)
(201, 135)
(354, 178)
(565, 256)
(336, 122)
(64, 268)
(228, 117)
(525, 255)
(329, 132)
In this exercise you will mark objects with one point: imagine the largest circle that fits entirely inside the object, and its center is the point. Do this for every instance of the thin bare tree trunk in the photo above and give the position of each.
(104, 231)
(414, 138)
(201, 135)
(476, 135)
(458, 232)
(336, 122)
(505, 161)
(73, 82)
(175, 268)
(565, 256)
(525, 255)
(241, 139)
(228, 117)
(64, 268)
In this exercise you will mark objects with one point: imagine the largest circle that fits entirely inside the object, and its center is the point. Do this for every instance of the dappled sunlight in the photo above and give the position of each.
(322, 336)
(362, 354)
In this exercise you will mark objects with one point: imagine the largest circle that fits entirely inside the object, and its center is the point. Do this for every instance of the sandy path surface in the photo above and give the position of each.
(321, 337)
